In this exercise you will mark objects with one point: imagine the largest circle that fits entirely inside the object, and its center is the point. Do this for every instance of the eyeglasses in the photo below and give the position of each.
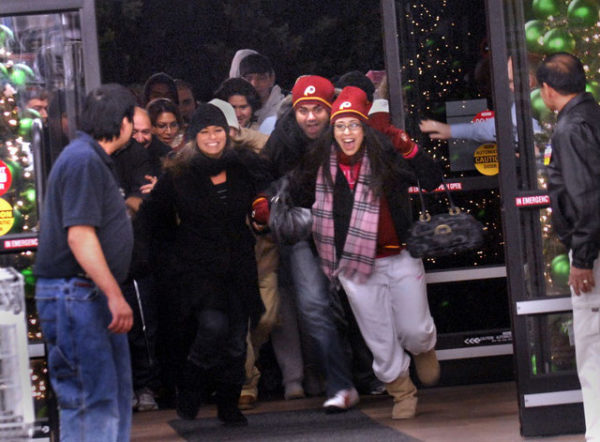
(164, 126)
(352, 127)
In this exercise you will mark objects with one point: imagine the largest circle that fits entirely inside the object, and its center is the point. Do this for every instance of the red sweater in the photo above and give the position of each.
(387, 239)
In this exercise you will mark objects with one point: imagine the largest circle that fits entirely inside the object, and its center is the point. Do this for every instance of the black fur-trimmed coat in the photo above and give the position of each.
(209, 246)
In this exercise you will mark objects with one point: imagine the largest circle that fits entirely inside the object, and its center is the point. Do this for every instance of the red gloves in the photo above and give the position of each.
(400, 139)
(260, 210)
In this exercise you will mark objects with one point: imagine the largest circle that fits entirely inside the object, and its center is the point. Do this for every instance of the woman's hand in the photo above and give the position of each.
(147, 188)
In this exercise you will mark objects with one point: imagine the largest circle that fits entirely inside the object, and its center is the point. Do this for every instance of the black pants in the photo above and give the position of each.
(142, 343)
(213, 340)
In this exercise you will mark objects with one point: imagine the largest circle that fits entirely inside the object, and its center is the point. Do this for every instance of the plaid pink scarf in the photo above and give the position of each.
(358, 255)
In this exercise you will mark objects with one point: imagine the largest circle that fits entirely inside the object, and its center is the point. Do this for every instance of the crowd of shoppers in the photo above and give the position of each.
(208, 285)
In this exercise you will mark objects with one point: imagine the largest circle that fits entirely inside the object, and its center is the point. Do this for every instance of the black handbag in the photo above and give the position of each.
(443, 234)
(288, 224)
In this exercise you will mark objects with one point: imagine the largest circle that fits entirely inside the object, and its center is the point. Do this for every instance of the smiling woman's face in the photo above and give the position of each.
(349, 134)
(211, 141)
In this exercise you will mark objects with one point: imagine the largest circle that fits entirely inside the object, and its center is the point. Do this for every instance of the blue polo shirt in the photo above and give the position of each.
(82, 189)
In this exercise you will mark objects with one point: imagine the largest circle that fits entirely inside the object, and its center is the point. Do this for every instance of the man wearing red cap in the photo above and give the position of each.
(295, 131)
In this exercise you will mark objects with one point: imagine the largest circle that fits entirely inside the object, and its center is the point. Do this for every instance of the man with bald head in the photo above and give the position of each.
(574, 187)
(156, 149)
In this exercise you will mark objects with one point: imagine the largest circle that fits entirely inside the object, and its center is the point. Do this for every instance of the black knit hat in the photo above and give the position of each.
(206, 115)
(359, 80)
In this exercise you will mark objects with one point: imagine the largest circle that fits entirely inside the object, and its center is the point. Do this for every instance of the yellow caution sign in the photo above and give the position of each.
(486, 159)
(7, 218)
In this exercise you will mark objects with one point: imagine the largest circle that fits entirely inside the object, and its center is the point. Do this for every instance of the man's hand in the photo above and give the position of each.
(122, 315)
(581, 280)
(435, 129)
(84, 244)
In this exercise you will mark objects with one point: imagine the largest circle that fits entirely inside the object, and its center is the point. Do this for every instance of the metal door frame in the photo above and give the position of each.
(87, 17)
(551, 404)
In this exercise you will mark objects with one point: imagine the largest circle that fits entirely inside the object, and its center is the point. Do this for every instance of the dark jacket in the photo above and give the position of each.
(157, 151)
(213, 248)
(395, 189)
(574, 179)
(132, 165)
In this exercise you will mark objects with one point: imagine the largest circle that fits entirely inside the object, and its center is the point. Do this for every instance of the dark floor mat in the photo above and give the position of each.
(296, 426)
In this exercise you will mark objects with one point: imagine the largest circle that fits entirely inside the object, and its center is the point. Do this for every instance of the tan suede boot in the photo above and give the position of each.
(427, 367)
(404, 393)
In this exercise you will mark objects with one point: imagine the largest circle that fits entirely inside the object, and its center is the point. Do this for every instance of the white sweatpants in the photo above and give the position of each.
(586, 327)
(392, 313)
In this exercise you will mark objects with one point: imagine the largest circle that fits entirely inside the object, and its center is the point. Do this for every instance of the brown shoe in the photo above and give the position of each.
(246, 402)
(427, 367)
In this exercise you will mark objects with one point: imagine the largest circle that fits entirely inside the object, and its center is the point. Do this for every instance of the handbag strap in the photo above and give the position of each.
(424, 215)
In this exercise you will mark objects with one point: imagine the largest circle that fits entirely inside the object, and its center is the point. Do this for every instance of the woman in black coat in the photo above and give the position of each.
(201, 205)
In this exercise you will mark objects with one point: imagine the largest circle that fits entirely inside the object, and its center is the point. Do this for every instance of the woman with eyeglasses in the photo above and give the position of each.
(166, 121)
(356, 183)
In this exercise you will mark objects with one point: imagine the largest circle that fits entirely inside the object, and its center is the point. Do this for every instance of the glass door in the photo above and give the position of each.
(48, 61)
(521, 33)
(437, 60)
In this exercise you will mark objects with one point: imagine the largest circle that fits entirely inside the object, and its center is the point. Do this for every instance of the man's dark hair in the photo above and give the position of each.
(161, 78)
(563, 72)
(359, 80)
(33, 92)
(255, 64)
(104, 109)
(239, 86)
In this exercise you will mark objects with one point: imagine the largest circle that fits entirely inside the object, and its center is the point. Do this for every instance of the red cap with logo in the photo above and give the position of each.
(351, 102)
(312, 89)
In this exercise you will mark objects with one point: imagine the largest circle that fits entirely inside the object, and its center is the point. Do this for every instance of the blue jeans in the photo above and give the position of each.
(89, 366)
(300, 264)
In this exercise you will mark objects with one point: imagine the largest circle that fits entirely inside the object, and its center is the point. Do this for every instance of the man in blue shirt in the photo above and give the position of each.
(85, 249)
(485, 130)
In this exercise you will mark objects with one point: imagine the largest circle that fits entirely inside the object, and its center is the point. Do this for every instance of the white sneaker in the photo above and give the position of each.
(146, 401)
(343, 400)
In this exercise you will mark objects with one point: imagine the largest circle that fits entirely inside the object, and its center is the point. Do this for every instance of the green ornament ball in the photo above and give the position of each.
(29, 195)
(3, 71)
(558, 40)
(28, 276)
(538, 107)
(593, 87)
(543, 9)
(6, 35)
(25, 125)
(15, 170)
(560, 269)
(429, 43)
(534, 33)
(582, 13)
(17, 226)
(18, 77)
(28, 199)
